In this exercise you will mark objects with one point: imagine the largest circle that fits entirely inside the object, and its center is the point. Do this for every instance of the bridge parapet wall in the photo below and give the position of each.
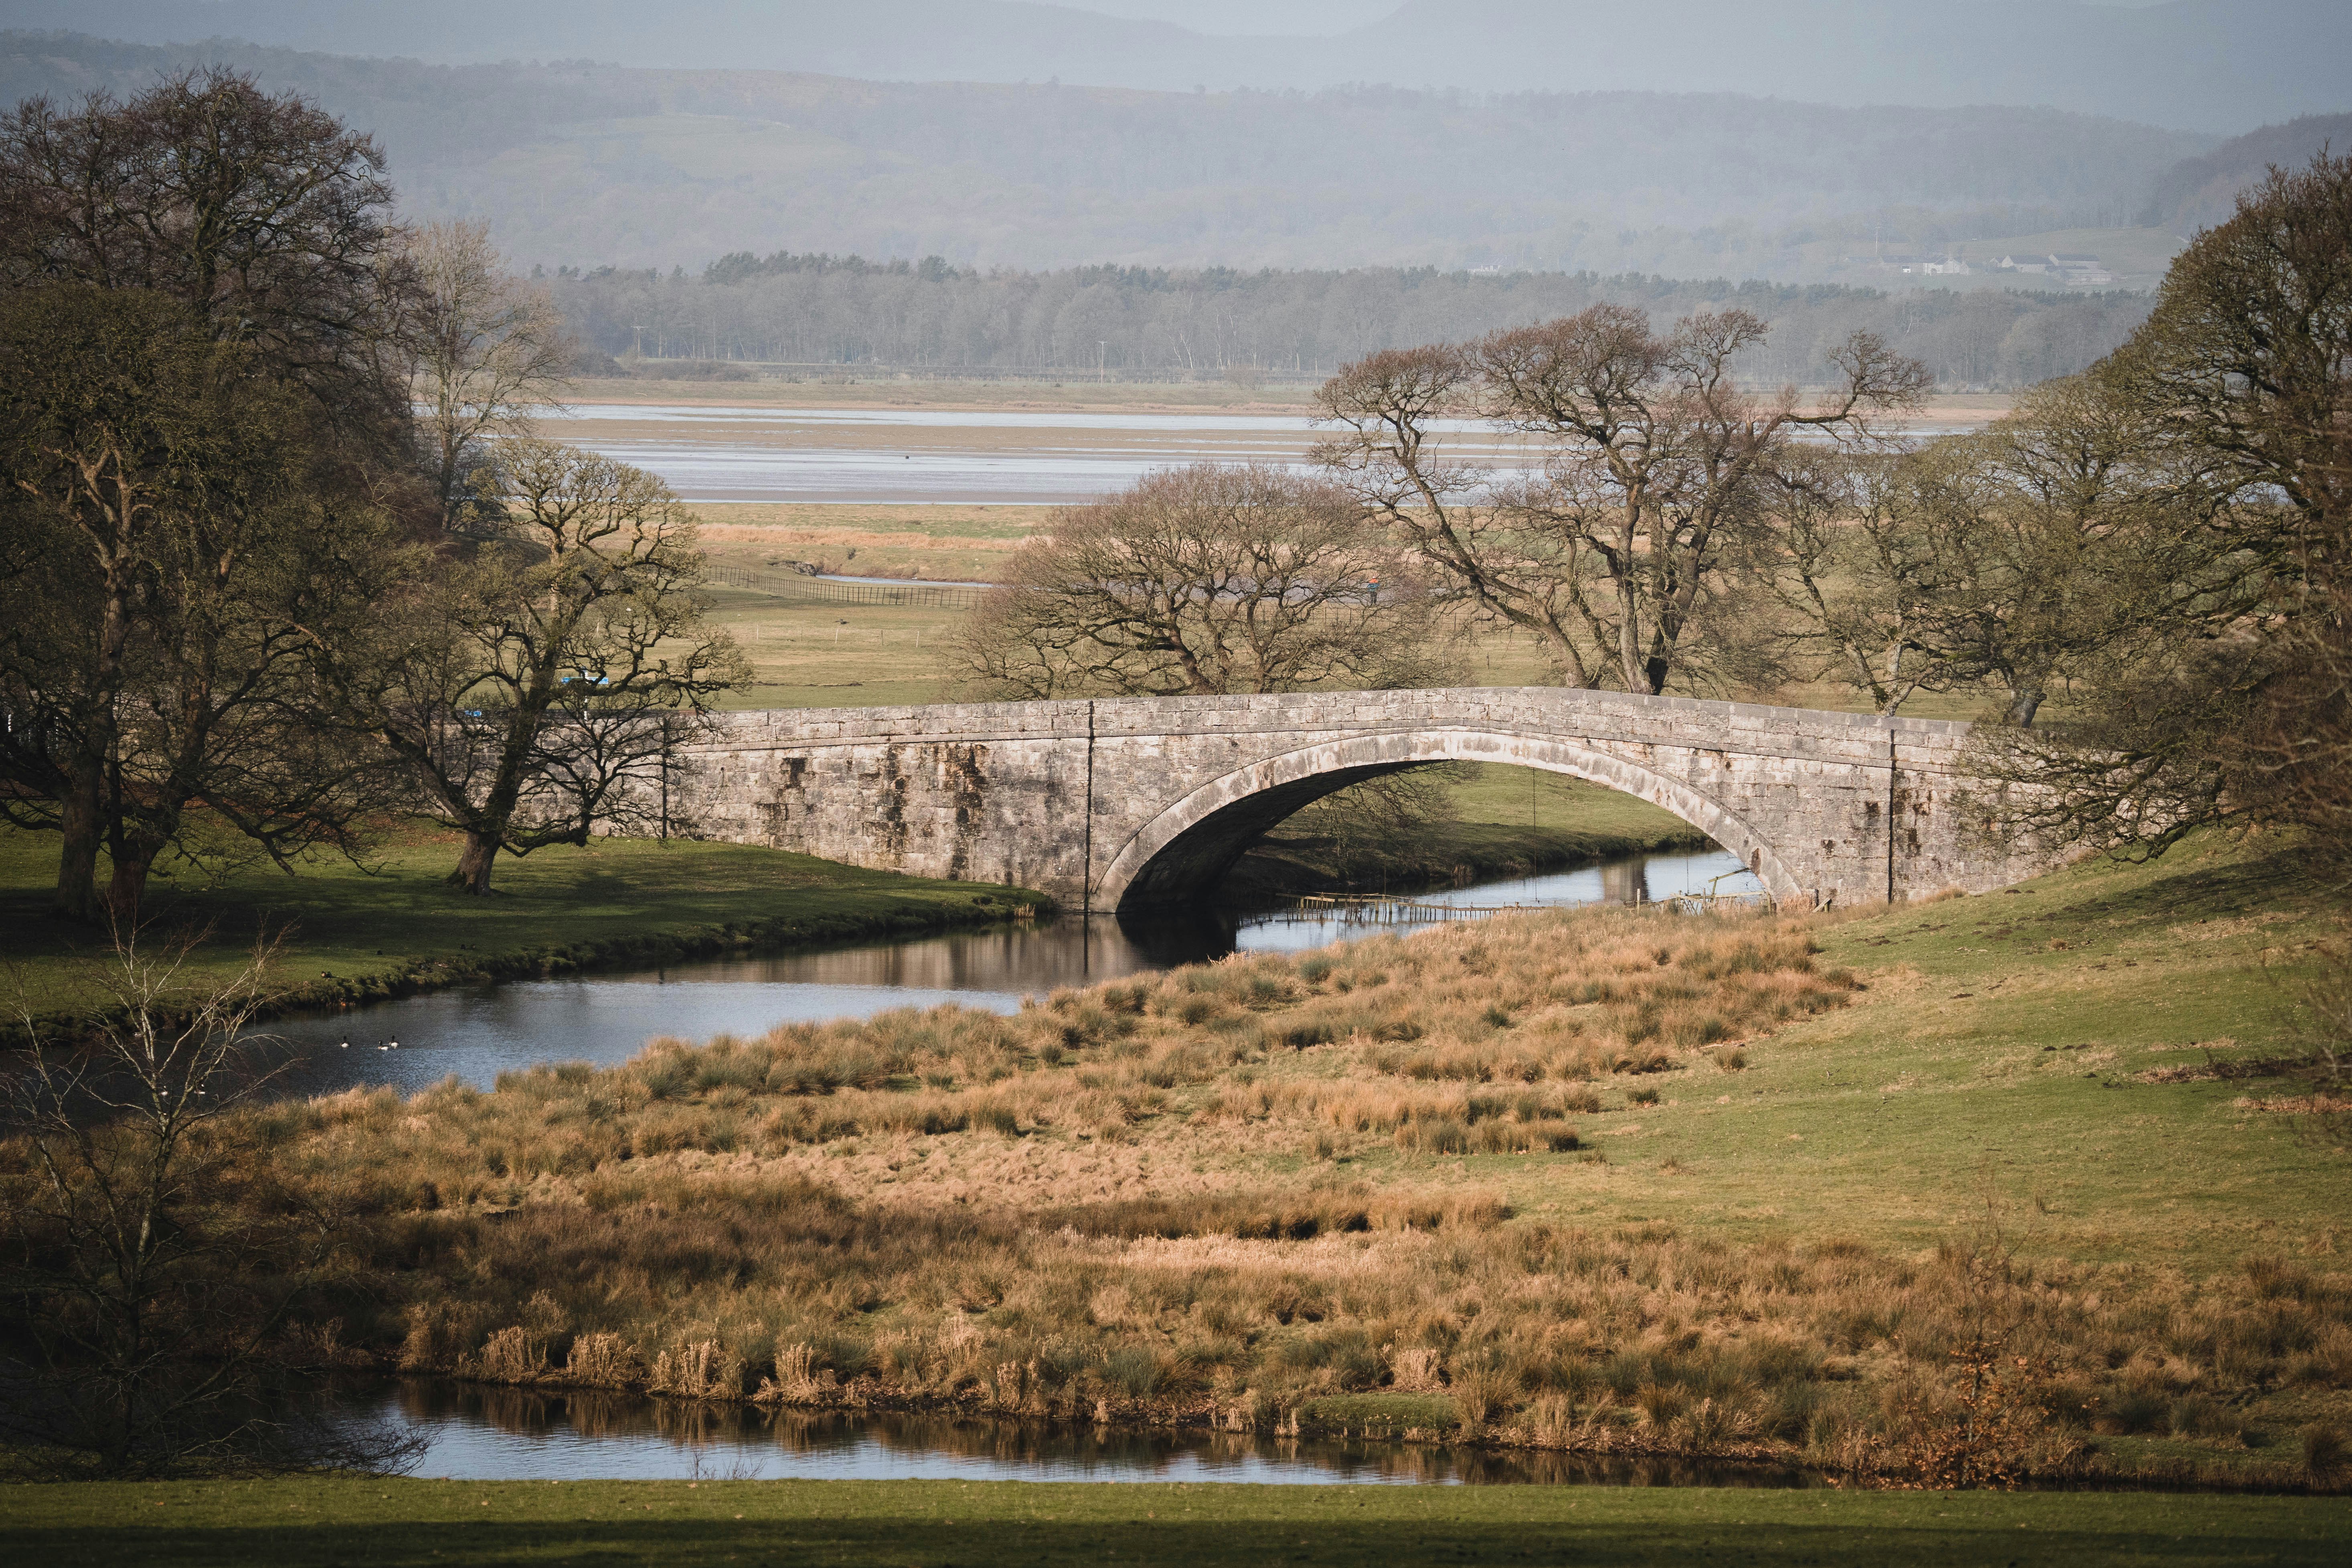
(1140, 798)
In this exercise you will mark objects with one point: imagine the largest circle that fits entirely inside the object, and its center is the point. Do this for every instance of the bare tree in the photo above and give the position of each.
(491, 350)
(157, 1259)
(2058, 539)
(534, 685)
(1655, 462)
(1203, 580)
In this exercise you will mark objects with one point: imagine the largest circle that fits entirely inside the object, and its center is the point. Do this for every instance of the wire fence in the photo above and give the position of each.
(798, 588)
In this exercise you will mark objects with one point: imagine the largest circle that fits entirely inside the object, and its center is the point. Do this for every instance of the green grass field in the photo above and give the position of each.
(292, 1522)
(350, 933)
(2049, 1044)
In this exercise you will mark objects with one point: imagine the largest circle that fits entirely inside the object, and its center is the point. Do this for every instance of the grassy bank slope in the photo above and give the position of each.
(302, 1522)
(357, 935)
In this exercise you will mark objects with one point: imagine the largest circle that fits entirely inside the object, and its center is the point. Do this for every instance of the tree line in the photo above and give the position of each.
(816, 309)
(277, 557)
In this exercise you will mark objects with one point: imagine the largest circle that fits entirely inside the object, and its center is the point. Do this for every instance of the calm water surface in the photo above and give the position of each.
(477, 1433)
(476, 1032)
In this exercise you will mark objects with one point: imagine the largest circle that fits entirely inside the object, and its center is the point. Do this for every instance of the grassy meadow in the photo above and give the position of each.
(979, 1524)
(390, 923)
(1976, 1188)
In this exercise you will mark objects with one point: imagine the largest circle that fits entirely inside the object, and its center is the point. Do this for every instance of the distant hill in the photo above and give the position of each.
(2222, 66)
(594, 165)
(2197, 193)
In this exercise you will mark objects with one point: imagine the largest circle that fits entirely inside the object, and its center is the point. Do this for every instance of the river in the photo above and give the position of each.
(477, 1433)
(475, 1032)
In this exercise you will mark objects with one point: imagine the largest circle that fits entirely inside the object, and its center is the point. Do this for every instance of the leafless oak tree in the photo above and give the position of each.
(1653, 463)
(491, 348)
(1203, 580)
(534, 685)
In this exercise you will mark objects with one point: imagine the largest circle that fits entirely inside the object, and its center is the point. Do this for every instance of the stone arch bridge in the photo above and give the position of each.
(1126, 802)
(1130, 803)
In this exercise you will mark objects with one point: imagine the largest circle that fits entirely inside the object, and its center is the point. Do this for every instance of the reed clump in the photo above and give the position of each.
(1231, 1196)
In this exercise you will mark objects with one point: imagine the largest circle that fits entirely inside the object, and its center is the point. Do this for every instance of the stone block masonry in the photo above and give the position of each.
(1135, 801)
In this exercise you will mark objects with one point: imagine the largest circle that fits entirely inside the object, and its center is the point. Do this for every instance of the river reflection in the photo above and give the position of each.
(476, 1032)
(479, 1433)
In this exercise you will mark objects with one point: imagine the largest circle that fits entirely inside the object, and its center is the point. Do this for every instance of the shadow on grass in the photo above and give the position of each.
(2186, 885)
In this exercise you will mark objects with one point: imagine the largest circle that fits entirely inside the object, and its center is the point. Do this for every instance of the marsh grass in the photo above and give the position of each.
(1289, 1195)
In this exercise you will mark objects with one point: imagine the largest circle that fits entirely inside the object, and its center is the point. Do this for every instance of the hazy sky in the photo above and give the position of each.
(1246, 16)
(1280, 16)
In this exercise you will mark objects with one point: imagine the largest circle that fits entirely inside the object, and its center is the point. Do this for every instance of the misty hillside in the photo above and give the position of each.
(596, 165)
(2222, 66)
(2199, 192)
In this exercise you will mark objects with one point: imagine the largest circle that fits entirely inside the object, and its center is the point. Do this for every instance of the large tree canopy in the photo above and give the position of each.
(1202, 581)
(265, 216)
(178, 541)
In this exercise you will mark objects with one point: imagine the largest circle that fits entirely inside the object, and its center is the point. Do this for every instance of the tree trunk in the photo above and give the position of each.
(2023, 703)
(127, 886)
(473, 872)
(76, 897)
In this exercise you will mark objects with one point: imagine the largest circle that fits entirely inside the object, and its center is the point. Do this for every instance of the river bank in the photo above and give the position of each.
(393, 927)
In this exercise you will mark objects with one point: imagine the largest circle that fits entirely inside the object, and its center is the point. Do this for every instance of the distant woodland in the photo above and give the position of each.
(590, 166)
(815, 311)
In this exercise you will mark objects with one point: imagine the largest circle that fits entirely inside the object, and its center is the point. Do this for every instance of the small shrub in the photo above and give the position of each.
(2133, 1410)
(697, 1369)
(602, 1361)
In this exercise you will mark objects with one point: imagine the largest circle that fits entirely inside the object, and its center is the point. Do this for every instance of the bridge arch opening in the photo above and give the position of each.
(1187, 848)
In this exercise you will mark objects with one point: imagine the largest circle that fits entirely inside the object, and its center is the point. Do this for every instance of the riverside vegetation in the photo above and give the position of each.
(390, 925)
(1965, 1192)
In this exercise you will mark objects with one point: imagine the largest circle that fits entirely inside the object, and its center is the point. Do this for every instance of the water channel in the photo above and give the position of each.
(476, 1032)
(477, 1433)
(984, 457)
